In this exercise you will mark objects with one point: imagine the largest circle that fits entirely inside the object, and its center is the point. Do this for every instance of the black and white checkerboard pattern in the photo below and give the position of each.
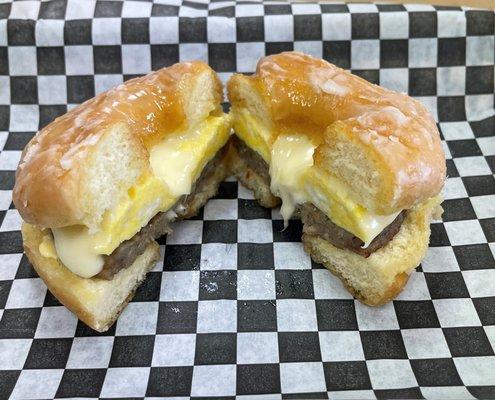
(235, 308)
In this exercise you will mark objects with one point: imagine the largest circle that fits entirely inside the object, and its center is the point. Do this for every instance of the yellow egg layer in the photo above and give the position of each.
(175, 164)
(155, 192)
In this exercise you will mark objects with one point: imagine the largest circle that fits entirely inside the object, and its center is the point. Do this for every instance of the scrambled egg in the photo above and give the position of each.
(176, 163)
(295, 179)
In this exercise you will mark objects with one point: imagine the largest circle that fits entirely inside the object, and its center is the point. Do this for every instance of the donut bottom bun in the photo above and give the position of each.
(96, 302)
(380, 277)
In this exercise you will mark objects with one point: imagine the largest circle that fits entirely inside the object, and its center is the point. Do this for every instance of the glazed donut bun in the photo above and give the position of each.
(100, 183)
(363, 165)
(81, 164)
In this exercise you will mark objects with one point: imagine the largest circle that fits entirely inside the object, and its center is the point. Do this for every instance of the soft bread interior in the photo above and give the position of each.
(96, 302)
(114, 165)
(243, 94)
(201, 97)
(358, 167)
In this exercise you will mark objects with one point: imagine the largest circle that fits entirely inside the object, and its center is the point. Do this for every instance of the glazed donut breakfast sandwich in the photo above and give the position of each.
(98, 185)
(363, 167)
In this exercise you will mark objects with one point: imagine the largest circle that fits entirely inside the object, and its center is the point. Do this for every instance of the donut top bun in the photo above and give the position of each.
(80, 165)
(383, 145)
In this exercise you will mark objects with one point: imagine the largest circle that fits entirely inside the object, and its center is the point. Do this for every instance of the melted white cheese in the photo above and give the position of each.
(173, 164)
(76, 251)
(291, 170)
(291, 158)
(375, 224)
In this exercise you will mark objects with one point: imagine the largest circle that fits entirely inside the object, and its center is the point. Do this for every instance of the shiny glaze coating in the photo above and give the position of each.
(143, 109)
(312, 96)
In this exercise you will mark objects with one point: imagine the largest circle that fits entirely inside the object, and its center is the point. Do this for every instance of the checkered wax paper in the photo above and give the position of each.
(235, 308)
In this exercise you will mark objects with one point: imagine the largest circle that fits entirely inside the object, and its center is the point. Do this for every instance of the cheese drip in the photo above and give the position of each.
(176, 162)
(75, 250)
(291, 158)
